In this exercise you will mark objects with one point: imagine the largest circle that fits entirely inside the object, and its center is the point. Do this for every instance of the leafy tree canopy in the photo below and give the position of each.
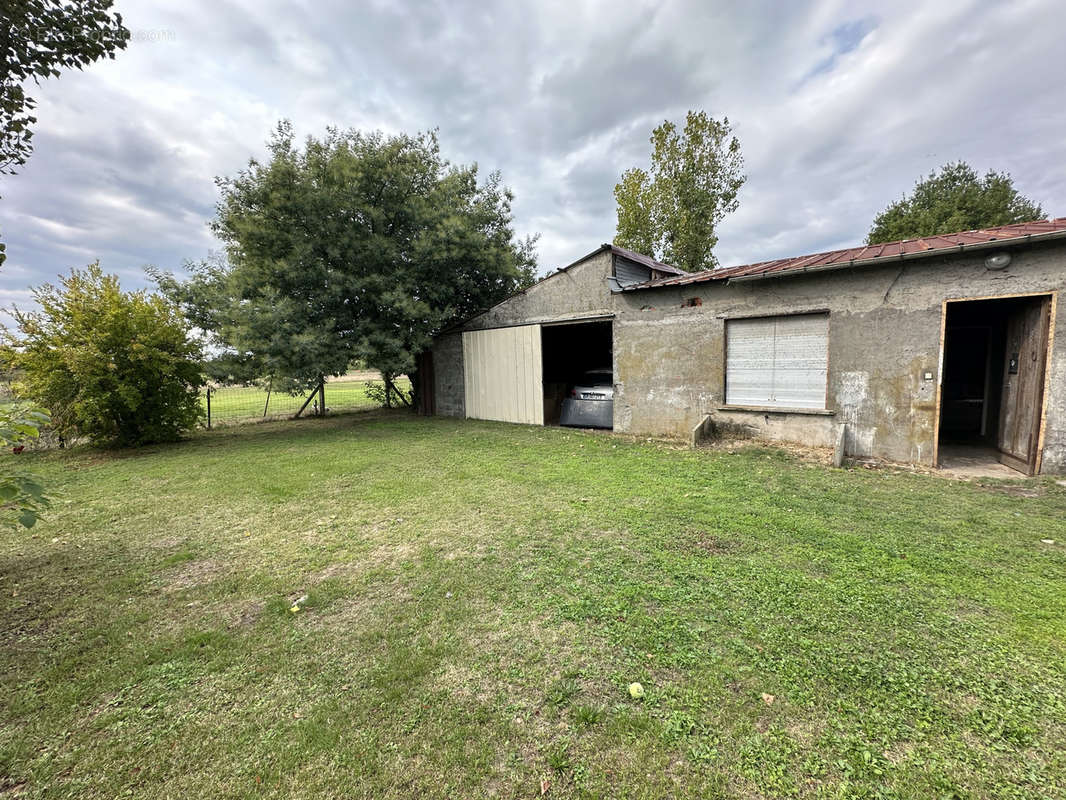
(116, 367)
(672, 211)
(354, 246)
(38, 38)
(954, 199)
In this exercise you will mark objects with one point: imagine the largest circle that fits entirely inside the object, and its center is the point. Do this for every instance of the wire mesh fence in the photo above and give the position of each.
(229, 405)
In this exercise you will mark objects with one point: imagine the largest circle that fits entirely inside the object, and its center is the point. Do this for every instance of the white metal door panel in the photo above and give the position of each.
(750, 362)
(777, 361)
(503, 374)
(801, 347)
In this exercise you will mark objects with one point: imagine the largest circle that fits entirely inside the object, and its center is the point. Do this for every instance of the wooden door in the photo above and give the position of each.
(427, 384)
(1023, 384)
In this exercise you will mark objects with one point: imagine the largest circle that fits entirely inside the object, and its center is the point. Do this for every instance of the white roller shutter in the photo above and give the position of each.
(503, 374)
(777, 362)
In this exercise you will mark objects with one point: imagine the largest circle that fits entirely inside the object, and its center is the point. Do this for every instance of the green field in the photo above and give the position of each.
(479, 596)
(231, 404)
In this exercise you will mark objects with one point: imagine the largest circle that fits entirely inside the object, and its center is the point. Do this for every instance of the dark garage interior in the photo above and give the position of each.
(570, 350)
(993, 378)
(974, 348)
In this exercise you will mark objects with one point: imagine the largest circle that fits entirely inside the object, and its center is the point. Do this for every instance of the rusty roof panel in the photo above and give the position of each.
(866, 254)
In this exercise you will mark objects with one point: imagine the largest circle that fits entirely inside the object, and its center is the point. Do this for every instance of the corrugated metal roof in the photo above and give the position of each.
(942, 244)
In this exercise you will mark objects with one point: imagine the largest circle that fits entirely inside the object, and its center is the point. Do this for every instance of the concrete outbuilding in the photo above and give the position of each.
(913, 351)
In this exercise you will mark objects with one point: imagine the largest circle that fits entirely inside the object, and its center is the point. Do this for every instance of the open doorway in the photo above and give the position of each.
(571, 351)
(991, 394)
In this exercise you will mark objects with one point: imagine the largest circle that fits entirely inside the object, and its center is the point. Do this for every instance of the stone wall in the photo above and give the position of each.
(448, 375)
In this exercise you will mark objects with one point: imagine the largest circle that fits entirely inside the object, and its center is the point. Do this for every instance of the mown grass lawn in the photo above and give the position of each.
(478, 598)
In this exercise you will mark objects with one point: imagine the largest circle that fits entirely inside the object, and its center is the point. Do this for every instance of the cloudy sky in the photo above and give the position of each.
(839, 107)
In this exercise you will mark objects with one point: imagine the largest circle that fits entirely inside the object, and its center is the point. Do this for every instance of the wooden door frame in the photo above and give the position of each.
(1054, 295)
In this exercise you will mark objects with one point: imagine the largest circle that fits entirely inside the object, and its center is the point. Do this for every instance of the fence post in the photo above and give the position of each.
(322, 397)
(209, 408)
(270, 386)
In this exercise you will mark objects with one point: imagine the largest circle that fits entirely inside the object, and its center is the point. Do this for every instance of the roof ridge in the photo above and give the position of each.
(647, 261)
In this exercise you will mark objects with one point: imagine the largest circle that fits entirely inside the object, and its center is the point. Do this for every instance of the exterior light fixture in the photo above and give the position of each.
(997, 261)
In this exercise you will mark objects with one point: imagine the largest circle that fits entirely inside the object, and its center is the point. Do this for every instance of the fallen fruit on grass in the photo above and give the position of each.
(636, 691)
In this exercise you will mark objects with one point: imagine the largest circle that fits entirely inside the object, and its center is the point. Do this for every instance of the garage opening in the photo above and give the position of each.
(578, 377)
(992, 389)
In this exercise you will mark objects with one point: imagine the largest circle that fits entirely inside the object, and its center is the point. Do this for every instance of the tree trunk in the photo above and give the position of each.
(416, 391)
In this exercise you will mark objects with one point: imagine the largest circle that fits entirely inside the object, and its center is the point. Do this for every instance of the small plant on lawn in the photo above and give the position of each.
(560, 692)
(558, 756)
(587, 716)
(115, 367)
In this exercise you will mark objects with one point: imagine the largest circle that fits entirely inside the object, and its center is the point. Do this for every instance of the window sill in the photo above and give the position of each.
(817, 412)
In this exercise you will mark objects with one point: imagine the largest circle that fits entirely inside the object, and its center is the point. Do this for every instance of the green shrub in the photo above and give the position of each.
(22, 495)
(387, 394)
(115, 367)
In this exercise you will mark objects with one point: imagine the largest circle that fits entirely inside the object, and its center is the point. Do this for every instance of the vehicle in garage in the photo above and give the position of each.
(590, 403)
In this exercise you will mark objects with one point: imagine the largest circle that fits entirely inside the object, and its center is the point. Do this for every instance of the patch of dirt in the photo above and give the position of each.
(346, 570)
(191, 574)
(812, 455)
(166, 543)
(363, 607)
(1013, 489)
(716, 545)
(806, 732)
(666, 442)
(1020, 486)
(251, 614)
(391, 553)
(899, 753)
(13, 789)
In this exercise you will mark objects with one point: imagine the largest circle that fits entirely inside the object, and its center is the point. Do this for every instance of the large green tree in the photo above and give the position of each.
(672, 211)
(954, 199)
(116, 367)
(353, 246)
(38, 38)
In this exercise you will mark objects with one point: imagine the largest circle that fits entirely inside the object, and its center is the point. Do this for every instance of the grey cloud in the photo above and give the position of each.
(839, 107)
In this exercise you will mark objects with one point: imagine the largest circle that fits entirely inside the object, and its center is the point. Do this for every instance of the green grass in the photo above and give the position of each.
(479, 597)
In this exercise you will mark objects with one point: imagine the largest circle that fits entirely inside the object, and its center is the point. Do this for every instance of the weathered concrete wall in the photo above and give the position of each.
(818, 430)
(884, 336)
(576, 292)
(448, 377)
(1055, 425)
